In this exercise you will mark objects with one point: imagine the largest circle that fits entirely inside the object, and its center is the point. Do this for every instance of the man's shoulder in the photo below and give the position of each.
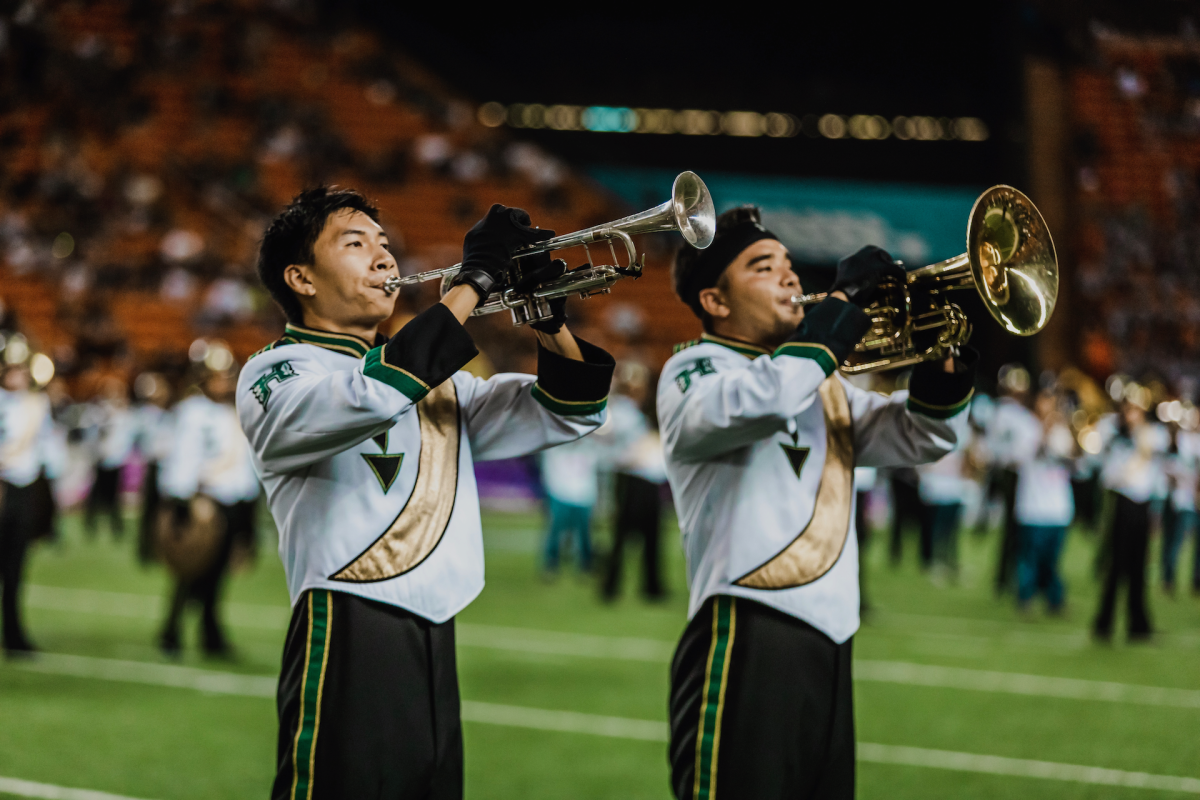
(697, 359)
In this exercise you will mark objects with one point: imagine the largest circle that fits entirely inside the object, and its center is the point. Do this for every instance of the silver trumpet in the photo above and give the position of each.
(1010, 261)
(689, 211)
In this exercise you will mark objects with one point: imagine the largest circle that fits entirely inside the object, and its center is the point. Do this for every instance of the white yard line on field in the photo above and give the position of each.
(144, 672)
(1022, 767)
(564, 722)
(557, 643)
(980, 680)
(658, 651)
(49, 791)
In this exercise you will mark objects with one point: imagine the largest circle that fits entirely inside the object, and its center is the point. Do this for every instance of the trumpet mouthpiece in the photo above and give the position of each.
(391, 285)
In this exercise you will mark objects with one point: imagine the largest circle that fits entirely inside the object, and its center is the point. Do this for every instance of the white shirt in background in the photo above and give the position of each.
(1044, 495)
(570, 472)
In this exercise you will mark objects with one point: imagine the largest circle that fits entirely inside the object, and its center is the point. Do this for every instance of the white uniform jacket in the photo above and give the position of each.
(760, 452)
(208, 455)
(366, 453)
(28, 440)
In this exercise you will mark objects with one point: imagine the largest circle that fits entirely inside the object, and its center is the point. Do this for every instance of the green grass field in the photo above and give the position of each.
(528, 647)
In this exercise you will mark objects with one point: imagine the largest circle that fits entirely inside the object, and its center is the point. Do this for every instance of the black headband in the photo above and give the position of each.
(713, 260)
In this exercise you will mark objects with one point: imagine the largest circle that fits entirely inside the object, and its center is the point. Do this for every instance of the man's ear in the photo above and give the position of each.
(713, 303)
(298, 279)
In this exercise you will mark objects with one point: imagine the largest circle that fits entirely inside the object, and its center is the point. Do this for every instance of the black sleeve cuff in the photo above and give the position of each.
(939, 394)
(828, 334)
(573, 388)
(422, 354)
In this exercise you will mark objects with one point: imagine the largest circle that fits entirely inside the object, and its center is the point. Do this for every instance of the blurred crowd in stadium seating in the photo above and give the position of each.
(146, 144)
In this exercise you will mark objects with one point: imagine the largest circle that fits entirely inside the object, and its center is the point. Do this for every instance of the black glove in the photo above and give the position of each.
(859, 275)
(488, 248)
(558, 311)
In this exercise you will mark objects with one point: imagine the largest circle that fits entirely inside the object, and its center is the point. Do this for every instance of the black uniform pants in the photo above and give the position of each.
(206, 588)
(368, 704)
(638, 511)
(104, 496)
(906, 508)
(150, 501)
(1010, 537)
(16, 520)
(761, 707)
(1130, 539)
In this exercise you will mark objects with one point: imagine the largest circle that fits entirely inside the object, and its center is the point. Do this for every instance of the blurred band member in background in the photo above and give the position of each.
(1179, 512)
(26, 437)
(571, 478)
(907, 510)
(155, 439)
(761, 438)
(1011, 416)
(1045, 451)
(116, 437)
(638, 478)
(366, 447)
(207, 472)
(1133, 472)
(943, 486)
(864, 483)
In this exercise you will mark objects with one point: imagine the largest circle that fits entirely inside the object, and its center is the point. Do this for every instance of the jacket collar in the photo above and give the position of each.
(342, 343)
(748, 350)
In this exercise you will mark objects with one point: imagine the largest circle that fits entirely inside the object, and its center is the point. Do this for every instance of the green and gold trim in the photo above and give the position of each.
(939, 412)
(712, 701)
(742, 348)
(567, 408)
(312, 686)
(277, 343)
(342, 343)
(817, 352)
(748, 350)
(403, 381)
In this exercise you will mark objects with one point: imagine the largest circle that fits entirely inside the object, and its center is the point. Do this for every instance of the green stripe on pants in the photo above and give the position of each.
(712, 702)
(315, 659)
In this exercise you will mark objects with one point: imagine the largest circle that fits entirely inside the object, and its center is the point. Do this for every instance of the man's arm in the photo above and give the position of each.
(511, 415)
(296, 412)
(704, 413)
(917, 426)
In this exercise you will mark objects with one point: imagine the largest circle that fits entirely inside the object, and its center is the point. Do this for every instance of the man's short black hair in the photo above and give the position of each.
(291, 236)
(687, 256)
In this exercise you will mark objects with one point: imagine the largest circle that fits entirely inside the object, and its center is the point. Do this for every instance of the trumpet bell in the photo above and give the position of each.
(1012, 260)
(692, 209)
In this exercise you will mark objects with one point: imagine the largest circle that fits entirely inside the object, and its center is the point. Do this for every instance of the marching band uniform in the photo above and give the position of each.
(1133, 471)
(27, 437)
(210, 457)
(1045, 507)
(155, 439)
(1183, 468)
(943, 489)
(365, 451)
(638, 474)
(570, 476)
(1010, 418)
(760, 452)
(117, 436)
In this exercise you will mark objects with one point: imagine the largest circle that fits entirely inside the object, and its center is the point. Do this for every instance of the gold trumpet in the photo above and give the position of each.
(689, 211)
(1010, 261)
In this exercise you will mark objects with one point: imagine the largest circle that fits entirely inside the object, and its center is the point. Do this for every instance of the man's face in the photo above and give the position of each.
(755, 294)
(351, 260)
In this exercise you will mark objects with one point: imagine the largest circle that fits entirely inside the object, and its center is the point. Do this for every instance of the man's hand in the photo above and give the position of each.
(859, 275)
(489, 245)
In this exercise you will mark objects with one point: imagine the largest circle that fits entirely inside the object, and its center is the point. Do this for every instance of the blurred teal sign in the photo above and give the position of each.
(822, 220)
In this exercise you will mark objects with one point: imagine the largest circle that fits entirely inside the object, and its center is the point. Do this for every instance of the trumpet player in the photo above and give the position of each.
(761, 437)
(365, 446)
